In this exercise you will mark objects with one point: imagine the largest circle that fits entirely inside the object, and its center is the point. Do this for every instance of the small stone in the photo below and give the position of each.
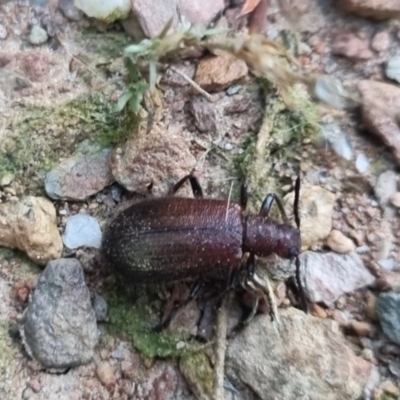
(376, 9)
(234, 89)
(6, 180)
(337, 138)
(340, 243)
(362, 163)
(351, 46)
(385, 187)
(395, 199)
(128, 370)
(69, 10)
(387, 264)
(3, 32)
(35, 385)
(38, 35)
(389, 387)
(217, 73)
(82, 230)
(318, 311)
(370, 306)
(59, 326)
(380, 41)
(392, 69)
(388, 307)
(237, 106)
(203, 113)
(100, 307)
(105, 373)
(22, 294)
(361, 328)
(180, 345)
(105, 11)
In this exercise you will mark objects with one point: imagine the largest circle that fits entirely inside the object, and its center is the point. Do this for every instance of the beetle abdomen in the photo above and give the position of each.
(175, 238)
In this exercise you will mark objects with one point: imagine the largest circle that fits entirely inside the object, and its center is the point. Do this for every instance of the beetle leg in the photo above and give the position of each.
(194, 291)
(267, 205)
(194, 183)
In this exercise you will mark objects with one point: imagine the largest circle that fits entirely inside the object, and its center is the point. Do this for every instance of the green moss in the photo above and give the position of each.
(108, 44)
(133, 321)
(40, 136)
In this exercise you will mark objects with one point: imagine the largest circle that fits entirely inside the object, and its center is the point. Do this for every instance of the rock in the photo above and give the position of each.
(59, 326)
(82, 230)
(38, 35)
(390, 388)
(360, 328)
(395, 199)
(327, 276)
(106, 11)
(307, 358)
(6, 180)
(385, 187)
(388, 310)
(316, 209)
(105, 373)
(160, 157)
(239, 104)
(362, 163)
(100, 307)
(69, 10)
(392, 69)
(30, 225)
(3, 32)
(153, 17)
(340, 243)
(351, 46)
(203, 113)
(218, 73)
(387, 264)
(380, 41)
(380, 107)
(79, 177)
(337, 138)
(376, 9)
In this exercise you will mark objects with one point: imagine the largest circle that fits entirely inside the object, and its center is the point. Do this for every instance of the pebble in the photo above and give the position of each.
(387, 264)
(360, 328)
(128, 370)
(395, 199)
(388, 307)
(105, 373)
(370, 306)
(234, 89)
(38, 35)
(100, 307)
(362, 163)
(337, 138)
(381, 41)
(385, 187)
(389, 387)
(6, 180)
(82, 230)
(3, 32)
(340, 243)
(392, 69)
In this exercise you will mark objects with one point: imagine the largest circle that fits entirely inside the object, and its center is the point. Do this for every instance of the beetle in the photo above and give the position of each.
(173, 239)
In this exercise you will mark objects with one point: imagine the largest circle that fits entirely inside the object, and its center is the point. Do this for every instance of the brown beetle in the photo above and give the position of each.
(173, 239)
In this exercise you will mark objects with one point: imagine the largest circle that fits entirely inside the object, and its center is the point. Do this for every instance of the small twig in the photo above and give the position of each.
(192, 83)
(220, 349)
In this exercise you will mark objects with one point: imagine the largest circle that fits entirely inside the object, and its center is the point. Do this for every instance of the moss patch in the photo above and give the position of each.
(39, 136)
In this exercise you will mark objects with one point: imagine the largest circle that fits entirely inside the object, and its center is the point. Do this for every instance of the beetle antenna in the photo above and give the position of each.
(296, 202)
(303, 300)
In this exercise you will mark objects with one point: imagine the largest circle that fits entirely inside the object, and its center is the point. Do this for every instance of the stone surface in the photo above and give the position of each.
(153, 18)
(380, 41)
(392, 69)
(59, 326)
(203, 113)
(38, 35)
(380, 105)
(147, 158)
(395, 199)
(326, 276)
(340, 243)
(82, 230)
(350, 46)
(100, 307)
(388, 310)
(30, 225)
(106, 11)
(385, 187)
(376, 9)
(218, 73)
(79, 177)
(316, 209)
(307, 358)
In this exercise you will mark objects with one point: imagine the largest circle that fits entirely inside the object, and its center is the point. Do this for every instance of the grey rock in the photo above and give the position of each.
(334, 134)
(392, 69)
(79, 177)
(3, 32)
(326, 276)
(38, 35)
(362, 163)
(385, 187)
(203, 113)
(307, 358)
(82, 230)
(69, 10)
(100, 307)
(59, 326)
(388, 309)
(234, 89)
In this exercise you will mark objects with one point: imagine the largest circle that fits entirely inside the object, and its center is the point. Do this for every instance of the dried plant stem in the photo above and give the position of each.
(220, 349)
(192, 83)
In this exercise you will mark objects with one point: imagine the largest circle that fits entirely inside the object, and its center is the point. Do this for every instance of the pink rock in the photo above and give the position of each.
(351, 46)
(380, 41)
(376, 9)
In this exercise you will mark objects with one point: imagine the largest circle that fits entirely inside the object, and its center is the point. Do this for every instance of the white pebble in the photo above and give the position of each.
(362, 163)
(82, 230)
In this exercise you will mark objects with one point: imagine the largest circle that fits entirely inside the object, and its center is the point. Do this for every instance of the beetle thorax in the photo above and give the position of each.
(264, 236)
